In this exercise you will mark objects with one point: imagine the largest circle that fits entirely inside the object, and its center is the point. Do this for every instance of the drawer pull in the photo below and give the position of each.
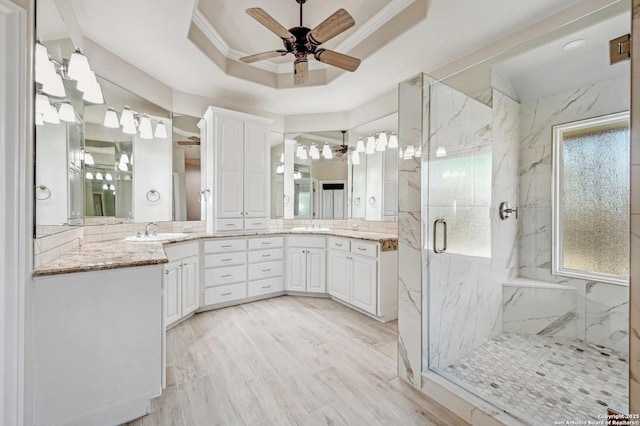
(257, 223)
(266, 255)
(266, 270)
(266, 286)
(266, 243)
(338, 244)
(226, 246)
(226, 260)
(226, 294)
(362, 249)
(225, 276)
(230, 224)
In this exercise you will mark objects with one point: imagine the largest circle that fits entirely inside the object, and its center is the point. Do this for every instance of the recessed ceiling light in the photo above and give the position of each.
(575, 44)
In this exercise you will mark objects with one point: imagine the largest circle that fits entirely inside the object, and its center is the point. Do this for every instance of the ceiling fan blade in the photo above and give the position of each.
(300, 71)
(265, 19)
(335, 24)
(264, 55)
(336, 59)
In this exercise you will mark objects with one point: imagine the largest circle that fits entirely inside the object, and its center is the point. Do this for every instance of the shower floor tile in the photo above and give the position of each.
(545, 379)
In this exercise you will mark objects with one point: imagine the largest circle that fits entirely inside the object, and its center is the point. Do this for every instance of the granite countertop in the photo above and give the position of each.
(120, 254)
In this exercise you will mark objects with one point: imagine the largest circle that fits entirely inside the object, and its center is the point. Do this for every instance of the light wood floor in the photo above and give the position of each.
(288, 360)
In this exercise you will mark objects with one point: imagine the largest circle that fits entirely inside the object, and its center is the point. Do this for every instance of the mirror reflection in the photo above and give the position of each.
(187, 176)
(277, 175)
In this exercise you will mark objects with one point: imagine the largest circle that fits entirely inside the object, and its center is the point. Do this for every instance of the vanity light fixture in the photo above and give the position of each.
(302, 153)
(161, 130)
(93, 92)
(408, 153)
(53, 84)
(355, 158)
(393, 141)
(88, 159)
(41, 60)
(441, 151)
(124, 158)
(383, 137)
(105, 186)
(67, 113)
(297, 175)
(282, 157)
(51, 115)
(112, 187)
(360, 146)
(111, 119)
(79, 69)
(371, 145)
(381, 144)
(280, 169)
(418, 153)
(38, 119)
(42, 103)
(123, 167)
(99, 176)
(314, 153)
(326, 152)
(146, 132)
(89, 176)
(108, 176)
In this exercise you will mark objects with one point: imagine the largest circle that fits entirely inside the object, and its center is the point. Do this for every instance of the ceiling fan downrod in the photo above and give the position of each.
(301, 2)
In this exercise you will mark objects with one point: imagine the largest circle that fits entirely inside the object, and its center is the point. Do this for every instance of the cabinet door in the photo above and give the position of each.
(256, 170)
(189, 286)
(229, 166)
(297, 269)
(172, 296)
(338, 277)
(316, 270)
(365, 284)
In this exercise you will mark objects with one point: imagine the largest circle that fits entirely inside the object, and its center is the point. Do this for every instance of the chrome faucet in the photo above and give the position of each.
(155, 230)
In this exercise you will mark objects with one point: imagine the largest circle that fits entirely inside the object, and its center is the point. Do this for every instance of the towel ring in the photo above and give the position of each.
(356, 201)
(46, 190)
(153, 196)
(206, 195)
(286, 199)
(372, 201)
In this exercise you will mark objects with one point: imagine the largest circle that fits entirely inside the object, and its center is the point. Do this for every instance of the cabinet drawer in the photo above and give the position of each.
(265, 243)
(307, 242)
(225, 259)
(339, 244)
(259, 271)
(270, 285)
(364, 249)
(180, 251)
(224, 293)
(257, 223)
(225, 225)
(224, 246)
(265, 255)
(228, 275)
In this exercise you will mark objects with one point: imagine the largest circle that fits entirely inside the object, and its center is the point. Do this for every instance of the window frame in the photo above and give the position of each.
(557, 175)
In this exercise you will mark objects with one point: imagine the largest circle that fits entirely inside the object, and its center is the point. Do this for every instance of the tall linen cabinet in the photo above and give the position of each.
(237, 168)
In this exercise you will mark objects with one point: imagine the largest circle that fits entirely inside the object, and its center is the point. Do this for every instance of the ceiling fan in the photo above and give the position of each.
(302, 42)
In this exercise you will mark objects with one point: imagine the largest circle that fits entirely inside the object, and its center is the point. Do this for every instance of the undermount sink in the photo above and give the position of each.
(154, 238)
(302, 229)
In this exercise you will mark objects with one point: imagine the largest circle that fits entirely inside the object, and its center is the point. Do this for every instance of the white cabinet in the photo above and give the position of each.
(266, 266)
(364, 277)
(225, 274)
(306, 264)
(181, 283)
(237, 158)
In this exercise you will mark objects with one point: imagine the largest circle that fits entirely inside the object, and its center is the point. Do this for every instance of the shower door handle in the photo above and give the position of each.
(435, 236)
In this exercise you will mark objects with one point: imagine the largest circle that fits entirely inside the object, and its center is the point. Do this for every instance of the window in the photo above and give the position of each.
(591, 199)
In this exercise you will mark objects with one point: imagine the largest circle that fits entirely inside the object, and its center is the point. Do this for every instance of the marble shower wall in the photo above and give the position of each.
(604, 318)
(413, 104)
(634, 356)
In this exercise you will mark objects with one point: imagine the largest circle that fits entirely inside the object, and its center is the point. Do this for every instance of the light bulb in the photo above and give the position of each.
(371, 145)
(51, 115)
(89, 176)
(108, 176)
(326, 152)
(355, 158)
(393, 141)
(112, 187)
(111, 119)
(105, 186)
(161, 131)
(79, 69)
(99, 176)
(67, 113)
(146, 132)
(360, 146)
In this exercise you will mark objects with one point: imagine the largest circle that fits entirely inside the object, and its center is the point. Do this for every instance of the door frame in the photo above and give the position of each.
(16, 204)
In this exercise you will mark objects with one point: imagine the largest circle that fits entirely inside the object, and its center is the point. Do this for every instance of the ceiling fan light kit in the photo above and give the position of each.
(303, 42)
